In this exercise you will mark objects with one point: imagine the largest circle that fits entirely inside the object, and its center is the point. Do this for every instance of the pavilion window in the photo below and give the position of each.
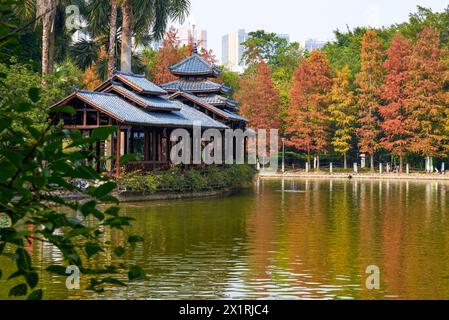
(79, 118)
(91, 118)
(104, 119)
(138, 145)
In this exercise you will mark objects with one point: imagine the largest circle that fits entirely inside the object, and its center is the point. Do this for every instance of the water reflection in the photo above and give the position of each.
(287, 239)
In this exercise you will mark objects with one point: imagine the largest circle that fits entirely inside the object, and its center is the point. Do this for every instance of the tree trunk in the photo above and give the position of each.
(46, 31)
(372, 162)
(51, 46)
(318, 163)
(126, 38)
(345, 161)
(401, 164)
(112, 38)
(308, 159)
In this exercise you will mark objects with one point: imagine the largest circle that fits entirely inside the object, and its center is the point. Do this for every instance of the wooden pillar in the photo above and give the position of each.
(98, 153)
(128, 141)
(147, 145)
(153, 143)
(117, 153)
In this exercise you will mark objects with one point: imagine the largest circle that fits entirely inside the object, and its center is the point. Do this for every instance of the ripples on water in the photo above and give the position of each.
(296, 239)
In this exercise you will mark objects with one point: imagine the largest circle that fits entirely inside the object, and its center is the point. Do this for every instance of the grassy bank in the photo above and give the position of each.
(178, 179)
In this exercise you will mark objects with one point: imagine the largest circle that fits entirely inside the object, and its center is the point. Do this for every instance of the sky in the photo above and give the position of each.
(301, 19)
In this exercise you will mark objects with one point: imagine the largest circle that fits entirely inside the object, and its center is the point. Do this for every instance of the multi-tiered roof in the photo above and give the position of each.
(132, 99)
(195, 86)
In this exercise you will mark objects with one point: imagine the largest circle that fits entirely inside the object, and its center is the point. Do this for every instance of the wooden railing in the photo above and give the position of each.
(146, 165)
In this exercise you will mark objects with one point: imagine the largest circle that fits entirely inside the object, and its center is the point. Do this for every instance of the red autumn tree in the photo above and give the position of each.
(306, 121)
(369, 80)
(167, 55)
(259, 100)
(396, 121)
(426, 95)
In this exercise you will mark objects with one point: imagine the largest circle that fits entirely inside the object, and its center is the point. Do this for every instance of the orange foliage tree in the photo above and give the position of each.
(395, 114)
(259, 100)
(369, 81)
(170, 53)
(307, 124)
(426, 95)
(167, 55)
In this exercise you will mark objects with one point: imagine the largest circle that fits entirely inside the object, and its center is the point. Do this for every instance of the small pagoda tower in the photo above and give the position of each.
(195, 89)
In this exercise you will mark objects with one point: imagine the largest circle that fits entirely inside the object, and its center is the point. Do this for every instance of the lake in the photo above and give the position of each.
(285, 239)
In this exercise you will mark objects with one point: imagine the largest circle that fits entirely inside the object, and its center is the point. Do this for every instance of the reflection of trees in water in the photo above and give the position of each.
(315, 242)
(191, 247)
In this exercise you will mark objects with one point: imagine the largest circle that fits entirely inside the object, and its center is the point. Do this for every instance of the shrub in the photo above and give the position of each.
(177, 179)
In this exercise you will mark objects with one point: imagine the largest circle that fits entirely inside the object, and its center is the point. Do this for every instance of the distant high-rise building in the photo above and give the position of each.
(232, 50)
(185, 35)
(284, 36)
(314, 44)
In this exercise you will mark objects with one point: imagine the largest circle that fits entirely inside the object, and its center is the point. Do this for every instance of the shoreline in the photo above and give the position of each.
(355, 176)
(133, 196)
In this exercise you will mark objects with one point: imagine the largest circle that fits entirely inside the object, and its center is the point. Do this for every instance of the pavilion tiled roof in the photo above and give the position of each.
(222, 112)
(194, 65)
(204, 86)
(218, 100)
(130, 114)
(151, 102)
(139, 83)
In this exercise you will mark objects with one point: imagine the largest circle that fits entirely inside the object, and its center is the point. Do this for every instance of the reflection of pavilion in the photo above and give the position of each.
(146, 115)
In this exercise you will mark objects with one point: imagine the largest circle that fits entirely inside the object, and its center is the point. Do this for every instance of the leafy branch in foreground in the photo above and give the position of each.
(37, 167)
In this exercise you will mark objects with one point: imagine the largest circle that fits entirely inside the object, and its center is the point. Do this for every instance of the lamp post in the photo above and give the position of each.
(283, 155)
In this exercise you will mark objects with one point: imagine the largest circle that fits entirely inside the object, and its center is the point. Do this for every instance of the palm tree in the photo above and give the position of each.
(112, 37)
(46, 9)
(143, 17)
(51, 13)
(126, 38)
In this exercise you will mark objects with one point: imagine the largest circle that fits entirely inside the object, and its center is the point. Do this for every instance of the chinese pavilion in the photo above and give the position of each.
(146, 114)
(194, 88)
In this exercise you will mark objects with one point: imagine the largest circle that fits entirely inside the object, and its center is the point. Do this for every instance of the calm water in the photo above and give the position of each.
(314, 240)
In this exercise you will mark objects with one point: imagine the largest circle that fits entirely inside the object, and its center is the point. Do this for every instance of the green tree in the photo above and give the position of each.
(37, 166)
(274, 50)
(143, 17)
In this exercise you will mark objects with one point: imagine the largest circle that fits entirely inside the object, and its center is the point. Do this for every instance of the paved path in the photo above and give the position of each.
(390, 176)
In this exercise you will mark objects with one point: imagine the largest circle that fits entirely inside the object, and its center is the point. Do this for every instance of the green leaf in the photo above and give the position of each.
(136, 273)
(35, 295)
(63, 109)
(103, 133)
(92, 249)
(104, 189)
(128, 158)
(16, 274)
(0, 273)
(132, 240)
(59, 270)
(32, 279)
(23, 259)
(112, 211)
(18, 290)
(23, 107)
(119, 251)
(114, 281)
(34, 94)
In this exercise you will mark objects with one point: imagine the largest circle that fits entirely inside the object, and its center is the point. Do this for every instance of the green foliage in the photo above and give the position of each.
(192, 179)
(18, 81)
(36, 168)
(274, 50)
(139, 182)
